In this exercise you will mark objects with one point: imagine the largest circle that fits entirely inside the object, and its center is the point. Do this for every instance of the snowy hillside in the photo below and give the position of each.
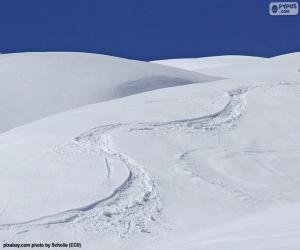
(209, 165)
(34, 85)
(209, 62)
(239, 66)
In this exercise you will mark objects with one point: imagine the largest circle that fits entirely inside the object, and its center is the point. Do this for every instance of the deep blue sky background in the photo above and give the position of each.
(147, 29)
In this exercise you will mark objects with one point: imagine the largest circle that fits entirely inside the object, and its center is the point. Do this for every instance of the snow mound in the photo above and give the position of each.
(241, 67)
(209, 62)
(34, 85)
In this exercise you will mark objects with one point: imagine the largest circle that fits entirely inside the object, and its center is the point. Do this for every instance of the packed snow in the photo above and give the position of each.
(175, 154)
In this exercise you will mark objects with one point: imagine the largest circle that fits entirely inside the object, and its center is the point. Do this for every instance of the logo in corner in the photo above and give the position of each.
(274, 9)
(283, 8)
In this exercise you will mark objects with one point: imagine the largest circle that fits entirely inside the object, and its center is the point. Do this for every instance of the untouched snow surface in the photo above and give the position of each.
(209, 165)
(209, 62)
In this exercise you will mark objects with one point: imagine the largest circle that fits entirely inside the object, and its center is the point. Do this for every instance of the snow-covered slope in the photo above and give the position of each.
(270, 229)
(34, 85)
(240, 67)
(209, 62)
(211, 165)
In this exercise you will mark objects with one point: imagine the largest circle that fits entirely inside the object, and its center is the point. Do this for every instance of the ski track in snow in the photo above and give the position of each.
(108, 167)
(216, 176)
(223, 119)
(218, 179)
(135, 205)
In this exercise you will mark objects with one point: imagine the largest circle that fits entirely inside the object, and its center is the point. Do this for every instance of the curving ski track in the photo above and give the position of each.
(135, 205)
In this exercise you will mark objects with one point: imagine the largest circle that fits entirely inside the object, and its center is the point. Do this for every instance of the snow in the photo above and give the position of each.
(196, 64)
(268, 229)
(208, 165)
(34, 85)
(240, 67)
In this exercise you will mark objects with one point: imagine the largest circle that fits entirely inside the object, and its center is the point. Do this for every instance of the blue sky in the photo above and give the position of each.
(147, 29)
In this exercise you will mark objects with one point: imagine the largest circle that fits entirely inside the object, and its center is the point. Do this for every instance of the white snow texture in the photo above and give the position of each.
(199, 153)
